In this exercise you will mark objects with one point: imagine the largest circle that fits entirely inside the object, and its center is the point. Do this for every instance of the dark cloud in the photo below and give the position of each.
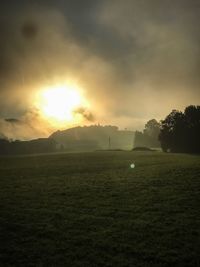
(29, 126)
(136, 58)
(29, 29)
(12, 120)
(85, 113)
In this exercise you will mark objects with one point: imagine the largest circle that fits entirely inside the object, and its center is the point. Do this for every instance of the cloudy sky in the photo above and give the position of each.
(134, 59)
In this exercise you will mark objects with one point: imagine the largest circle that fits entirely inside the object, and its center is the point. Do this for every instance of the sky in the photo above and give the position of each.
(134, 60)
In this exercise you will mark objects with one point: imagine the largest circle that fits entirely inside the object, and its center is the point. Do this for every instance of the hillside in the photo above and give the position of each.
(94, 137)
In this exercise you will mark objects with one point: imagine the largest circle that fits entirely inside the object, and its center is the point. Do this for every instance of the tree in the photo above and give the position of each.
(180, 131)
(151, 132)
(192, 117)
(149, 136)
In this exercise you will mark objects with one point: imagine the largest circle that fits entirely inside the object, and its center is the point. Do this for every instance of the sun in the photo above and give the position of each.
(59, 103)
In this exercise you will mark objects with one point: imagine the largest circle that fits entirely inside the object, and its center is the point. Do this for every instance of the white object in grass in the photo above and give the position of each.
(132, 165)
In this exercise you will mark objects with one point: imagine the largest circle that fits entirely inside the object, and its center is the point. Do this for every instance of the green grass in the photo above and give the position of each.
(92, 209)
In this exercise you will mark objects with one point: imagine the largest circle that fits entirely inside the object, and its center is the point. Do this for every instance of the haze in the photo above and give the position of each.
(133, 60)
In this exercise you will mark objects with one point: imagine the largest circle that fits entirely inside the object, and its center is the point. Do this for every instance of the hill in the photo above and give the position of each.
(93, 137)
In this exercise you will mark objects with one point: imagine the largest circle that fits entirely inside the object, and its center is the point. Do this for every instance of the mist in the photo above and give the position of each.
(135, 60)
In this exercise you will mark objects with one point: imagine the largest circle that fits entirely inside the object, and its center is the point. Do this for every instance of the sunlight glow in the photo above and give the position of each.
(58, 103)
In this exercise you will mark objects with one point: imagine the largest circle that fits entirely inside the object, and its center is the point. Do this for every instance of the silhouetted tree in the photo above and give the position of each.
(192, 133)
(180, 131)
(151, 133)
(149, 136)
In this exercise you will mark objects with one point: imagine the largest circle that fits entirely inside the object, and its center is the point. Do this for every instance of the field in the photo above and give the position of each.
(92, 209)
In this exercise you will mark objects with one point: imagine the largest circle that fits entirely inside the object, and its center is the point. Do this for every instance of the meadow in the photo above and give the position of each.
(92, 209)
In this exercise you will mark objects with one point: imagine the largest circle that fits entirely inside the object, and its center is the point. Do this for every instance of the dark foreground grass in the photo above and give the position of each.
(92, 209)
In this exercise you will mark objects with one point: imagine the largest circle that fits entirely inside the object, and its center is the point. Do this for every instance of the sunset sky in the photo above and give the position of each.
(118, 62)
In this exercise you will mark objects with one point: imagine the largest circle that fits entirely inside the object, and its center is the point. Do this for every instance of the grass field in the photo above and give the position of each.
(92, 209)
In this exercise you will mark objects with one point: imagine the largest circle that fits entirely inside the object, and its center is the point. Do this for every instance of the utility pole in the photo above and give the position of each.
(133, 140)
(109, 142)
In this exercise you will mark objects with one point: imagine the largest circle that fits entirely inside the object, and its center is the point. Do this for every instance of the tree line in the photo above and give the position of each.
(149, 136)
(178, 132)
(41, 145)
